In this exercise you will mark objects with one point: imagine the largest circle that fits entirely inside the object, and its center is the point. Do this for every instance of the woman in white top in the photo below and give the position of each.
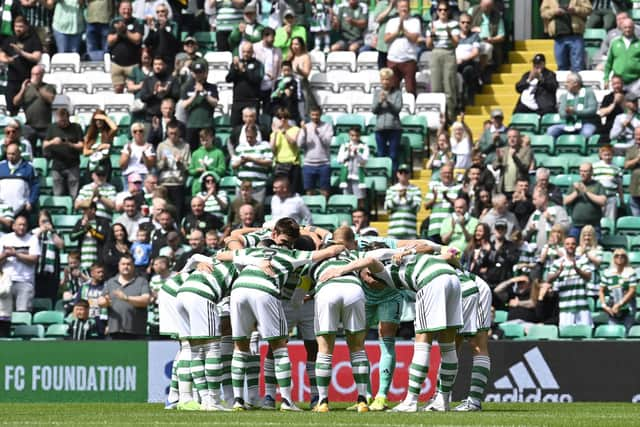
(461, 145)
(138, 156)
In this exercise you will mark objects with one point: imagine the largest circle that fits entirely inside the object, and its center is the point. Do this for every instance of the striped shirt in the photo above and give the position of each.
(251, 240)
(608, 175)
(250, 171)
(571, 288)
(6, 211)
(441, 38)
(212, 206)
(155, 284)
(106, 190)
(418, 271)
(402, 222)
(344, 258)
(527, 256)
(89, 253)
(441, 208)
(592, 286)
(616, 285)
(212, 286)
(284, 262)
(172, 284)
(48, 253)
(553, 253)
(468, 284)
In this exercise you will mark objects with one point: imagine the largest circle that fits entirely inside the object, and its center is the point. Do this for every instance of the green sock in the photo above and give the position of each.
(387, 364)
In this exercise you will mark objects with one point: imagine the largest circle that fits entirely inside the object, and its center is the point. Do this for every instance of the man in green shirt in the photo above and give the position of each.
(287, 32)
(384, 11)
(350, 20)
(247, 30)
(207, 158)
(586, 198)
(458, 230)
(199, 99)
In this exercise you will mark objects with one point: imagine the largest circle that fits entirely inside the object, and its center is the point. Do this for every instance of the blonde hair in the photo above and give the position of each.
(588, 229)
(386, 73)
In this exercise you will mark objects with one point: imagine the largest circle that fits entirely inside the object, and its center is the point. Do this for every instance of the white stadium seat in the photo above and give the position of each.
(65, 62)
(318, 61)
(592, 78)
(408, 102)
(117, 102)
(320, 81)
(341, 61)
(45, 61)
(432, 105)
(219, 60)
(335, 102)
(367, 60)
(361, 102)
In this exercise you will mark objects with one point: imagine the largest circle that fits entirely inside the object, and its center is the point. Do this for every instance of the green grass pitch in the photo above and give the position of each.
(494, 414)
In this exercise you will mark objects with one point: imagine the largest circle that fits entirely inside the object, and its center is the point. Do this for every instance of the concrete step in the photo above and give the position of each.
(505, 101)
(526, 56)
(522, 68)
(535, 45)
(498, 89)
(506, 79)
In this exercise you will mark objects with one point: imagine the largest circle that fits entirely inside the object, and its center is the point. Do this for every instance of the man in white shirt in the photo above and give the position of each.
(271, 58)
(402, 33)
(19, 252)
(284, 204)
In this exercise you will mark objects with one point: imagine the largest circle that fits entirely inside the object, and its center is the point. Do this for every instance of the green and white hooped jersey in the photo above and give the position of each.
(342, 259)
(571, 288)
(213, 286)
(363, 241)
(284, 262)
(250, 171)
(468, 284)
(418, 271)
(617, 285)
(251, 240)
(403, 220)
(106, 190)
(442, 208)
(172, 284)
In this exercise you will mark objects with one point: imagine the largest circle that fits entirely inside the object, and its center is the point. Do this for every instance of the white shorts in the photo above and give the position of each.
(439, 305)
(168, 313)
(202, 316)
(224, 309)
(301, 317)
(582, 317)
(469, 315)
(485, 298)
(340, 303)
(250, 306)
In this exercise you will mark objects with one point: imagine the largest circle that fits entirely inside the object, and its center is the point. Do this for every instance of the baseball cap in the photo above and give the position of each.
(538, 58)
(99, 169)
(404, 167)
(134, 177)
(289, 12)
(250, 8)
(189, 39)
(199, 65)
(497, 112)
(501, 223)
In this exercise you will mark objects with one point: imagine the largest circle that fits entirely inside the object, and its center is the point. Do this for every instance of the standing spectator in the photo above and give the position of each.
(160, 235)
(99, 13)
(402, 201)
(402, 34)
(197, 246)
(321, 11)
(624, 125)
(271, 59)
(442, 37)
(124, 40)
(100, 192)
(238, 137)
(286, 94)
(98, 140)
(36, 98)
(467, 58)
(48, 268)
(68, 25)
(350, 20)
(564, 21)
(131, 218)
(199, 98)
(137, 157)
(63, 145)
(116, 246)
(199, 219)
(20, 187)
(246, 74)
(90, 292)
(353, 156)
(301, 62)
(286, 153)
(494, 136)
(537, 89)
(441, 153)
(461, 142)
(589, 248)
(39, 15)
(215, 200)
(586, 199)
(314, 141)
(19, 253)
(617, 289)
(387, 104)
(440, 199)
(569, 275)
(207, 159)
(253, 162)
(458, 230)
(289, 31)
(605, 12)
(520, 203)
(245, 198)
(544, 218)
(610, 177)
(174, 157)
(578, 108)
(20, 53)
(612, 104)
(384, 11)
(247, 30)
(126, 296)
(287, 204)
(157, 87)
(513, 162)
(500, 213)
(476, 258)
(632, 163)
(90, 232)
(162, 35)
(623, 58)
(158, 131)
(503, 256)
(486, 20)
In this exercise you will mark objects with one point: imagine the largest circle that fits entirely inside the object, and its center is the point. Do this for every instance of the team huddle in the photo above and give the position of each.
(271, 280)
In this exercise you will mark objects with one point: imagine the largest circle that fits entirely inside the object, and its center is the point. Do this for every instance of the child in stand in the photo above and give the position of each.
(353, 155)
(141, 252)
(73, 278)
(285, 94)
(90, 292)
(321, 11)
(82, 327)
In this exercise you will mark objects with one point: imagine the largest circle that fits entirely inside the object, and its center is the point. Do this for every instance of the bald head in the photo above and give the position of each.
(627, 28)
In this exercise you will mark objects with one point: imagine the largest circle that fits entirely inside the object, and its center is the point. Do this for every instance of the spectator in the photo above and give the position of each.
(100, 192)
(285, 204)
(610, 177)
(158, 131)
(439, 200)
(586, 199)
(578, 108)
(141, 252)
(62, 146)
(513, 162)
(48, 269)
(441, 154)
(20, 184)
(467, 59)
(553, 192)
(486, 20)
(73, 277)
(623, 58)
(483, 204)
(227, 14)
(402, 34)
(157, 87)
(248, 29)
(68, 25)
(215, 200)
(137, 157)
(476, 257)
(124, 40)
(546, 216)
(314, 141)
(604, 13)
(162, 35)
(271, 59)
(99, 13)
(285, 95)
(90, 232)
(197, 246)
(39, 16)
(189, 53)
(20, 53)
(353, 156)
(174, 157)
(458, 230)
(283, 141)
(442, 37)
(116, 246)
(199, 98)
(149, 187)
(361, 226)
(246, 75)
(81, 326)
(126, 296)
(402, 202)
(90, 292)
(632, 163)
(98, 140)
(471, 184)
(245, 198)
(301, 62)
(36, 98)
(131, 218)
(387, 104)
(199, 219)
(162, 273)
(503, 256)
(569, 275)
(528, 259)
(247, 219)
(207, 159)
(134, 82)
(553, 249)
(588, 247)
(350, 20)
(461, 142)
(384, 11)
(134, 189)
(612, 34)
(611, 106)
(500, 212)
(625, 123)
(164, 224)
(565, 23)
(520, 294)
(537, 89)
(174, 247)
(252, 163)
(289, 31)
(238, 137)
(617, 290)
(520, 203)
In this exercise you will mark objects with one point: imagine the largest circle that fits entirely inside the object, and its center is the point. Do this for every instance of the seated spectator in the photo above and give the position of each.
(131, 218)
(486, 20)
(569, 276)
(503, 256)
(126, 297)
(589, 248)
(537, 89)
(546, 216)
(90, 232)
(482, 204)
(174, 157)
(494, 136)
(402, 202)
(199, 219)
(361, 226)
(141, 252)
(289, 31)
(578, 108)
(461, 145)
(553, 191)
(617, 290)
(160, 85)
(441, 153)
(566, 24)
(246, 74)
(625, 123)
(610, 177)
(350, 20)
(63, 145)
(215, 200)
(520, 295)
(520, 203)
(247, 218)
(98, 140)
(199, 99)
(159, 124)
(439, 200)
(100, 192)
(513, 162)
(252, 162)
(90, 292)
(116, 246)
(586, 199)
(163, 224)
(238, 136)
(468, 58)
(623, 57)
(247, 30)
(134, 189)
(458, 230)
(314, 141)
(500, 213)
(36, 98)
(124, 41)
(387, 104)
(611, 106)
(285, 93)
(476, 257)
(197, 246)
(174, 248)
(401, 34)
(207, 159)
(19, 184)
(82, 327)
(353, 156)
(527, 263)
(162, 34)
(287, 204)
(553, 249)
(48, 268)
(244, 198)
(632, 163)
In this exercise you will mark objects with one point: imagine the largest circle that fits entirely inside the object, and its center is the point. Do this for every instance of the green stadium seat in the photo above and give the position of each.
(65, 223)
(626, 182)
(549, 120)
(634, 332)
(415, 141)
(342, 203)
(634, 259)
(316, 204)
(414, 124)
(378, 184)
(48, 317)
(370, 140)
(525, 122)
(371, 125)
(222, 123)
(378, 166)
(564, 181)
(328, 119)
(46, 185)
(347, 121)
(542, 144)
(556, 165)
(29, 331)
(609, 332)
(593, 37)
(542, 332)
(500, 316)
(593, 144)
(635, 14)
(41, 304)
(571, 144)
(57, 330)
(575, 331)
(60, 205)
(20, 318)
(634, 243)
(59, 306)
(599, 317)
(628, 225)
(512, 330)
(228, 184)
(41, 165)
(611, 242)
(121, 141)
(115, 161)
(206, 40)
(608, 226)
(607, 258)
(330, 222)
(618, 161)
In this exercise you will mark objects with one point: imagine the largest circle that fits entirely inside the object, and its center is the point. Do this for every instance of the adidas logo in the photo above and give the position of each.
(532, 374)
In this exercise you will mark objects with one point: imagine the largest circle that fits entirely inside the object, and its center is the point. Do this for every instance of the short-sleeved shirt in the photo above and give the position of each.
(441, 39)
(381, 46)
(617, 285)
(106, 190)
(37, 111)
(418, 271)
(199, 112)
(124, 317)
(634, 187)
(401, 49)
(20, 68)
(441, 208)
(571, 288)
(350, 32)
(63, 156)
(124, 52)
(608, 175)
(213, 286)
(584, 210)
(16, 269)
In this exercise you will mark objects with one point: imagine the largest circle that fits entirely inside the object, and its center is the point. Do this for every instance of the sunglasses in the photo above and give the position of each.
(138, 131)
(209, 180)
(443, 10)
(465, 22)
(619, 256)
(10, 131)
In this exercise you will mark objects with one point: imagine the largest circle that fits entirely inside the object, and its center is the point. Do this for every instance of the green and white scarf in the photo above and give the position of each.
(7, 20)
(577, 102)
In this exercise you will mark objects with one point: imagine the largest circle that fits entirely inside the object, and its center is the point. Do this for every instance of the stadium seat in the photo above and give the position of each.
(593, 37)
(218, 60)
(347, 121)
(571, 144)
(41, 304)
(432, 105)
(327, 221)
(65, 223)
(525, 122)
(29, 331)
(378, 166)
(634, 243)
(542, 144)
(634, 332)
(593, 144)
(634, 259)
(414, 124)
(118, 102)
(59, 305)
(350, 82)
(342, 203)
(512, 330)
(57, 330)
(318, 61)
(549, 120)
(46, 185)
(57, 204)
(408, 103)
(607, 225)
(610, 332)
(575, 332)
(628, 225)
(500, 316)
(48, 317)
(336, 103)
(614, 241)
(65, 62)
(564, 181)
(20, 318)
(415, 141)
(361, 104)
(367, 61)
(228, 184)
(556, 165)
(41, 165)
(607, 258)
(345, 60)
(206, 40)
(542, 332)
(316, 204)
(592, 78)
